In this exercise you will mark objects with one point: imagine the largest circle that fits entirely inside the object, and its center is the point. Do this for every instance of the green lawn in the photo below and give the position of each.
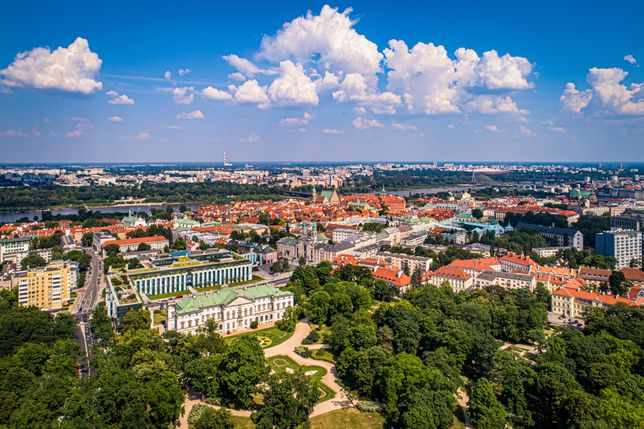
(208, 288)
(255, 279)
(170, 294)
(274, 335)
(159, 316)
(243, 422)
(322, 354)
(348, 418)
(285, 363)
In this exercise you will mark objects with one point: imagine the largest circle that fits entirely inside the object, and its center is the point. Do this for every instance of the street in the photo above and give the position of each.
(83, 308)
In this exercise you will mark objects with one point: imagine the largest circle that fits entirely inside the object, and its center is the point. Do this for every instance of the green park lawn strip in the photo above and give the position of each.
(347, 418)
(243, 422)
(315, 373)
(255, 279)
(159, 317)
(338, 419)
(322, 354)
(274, 336)
(208, 288)
(170, 294)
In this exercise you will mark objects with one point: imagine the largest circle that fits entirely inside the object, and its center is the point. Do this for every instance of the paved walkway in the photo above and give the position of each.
(302, 330)
(463, 400)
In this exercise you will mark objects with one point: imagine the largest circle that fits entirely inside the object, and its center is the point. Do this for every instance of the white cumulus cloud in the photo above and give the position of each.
(210, 93)
(630, 59)
(183, 72)
(613, 97)
(431, 82)
(527, 131)
(575, 100)
(183, 95)
(489, 105)
(293, 86)
(354, 88)
(332, 131)
(251, 92)
(402, 126)
(167, 75)
(329, 36)
(117, 98)
(115, 118)
(296, 121)
(363, 123)
(195, 114)
(491, 128)
(71, 69)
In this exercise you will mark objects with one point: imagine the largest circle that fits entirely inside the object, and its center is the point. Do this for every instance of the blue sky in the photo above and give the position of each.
(460, 81)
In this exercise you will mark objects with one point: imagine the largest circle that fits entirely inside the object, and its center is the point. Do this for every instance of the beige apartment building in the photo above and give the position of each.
(48, 287)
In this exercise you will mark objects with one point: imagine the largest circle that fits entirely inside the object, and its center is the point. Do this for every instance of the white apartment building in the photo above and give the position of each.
(14, 249)
(622, 244)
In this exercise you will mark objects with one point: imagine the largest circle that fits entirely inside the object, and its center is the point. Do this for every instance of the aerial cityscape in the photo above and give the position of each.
(310, 215)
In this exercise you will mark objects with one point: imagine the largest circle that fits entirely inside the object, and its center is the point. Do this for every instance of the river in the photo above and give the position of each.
(460, 188)
(14, 216)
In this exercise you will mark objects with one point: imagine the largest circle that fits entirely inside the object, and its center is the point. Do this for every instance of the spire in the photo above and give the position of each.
(315, 193)
(383, 192)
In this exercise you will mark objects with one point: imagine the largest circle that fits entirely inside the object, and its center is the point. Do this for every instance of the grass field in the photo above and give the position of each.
(159, 317)
(347, 419)
(243, 423)
(274, 335)
(322, 354)
(285, 363)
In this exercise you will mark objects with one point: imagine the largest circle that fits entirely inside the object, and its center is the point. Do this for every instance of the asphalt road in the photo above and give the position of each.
(91, 295)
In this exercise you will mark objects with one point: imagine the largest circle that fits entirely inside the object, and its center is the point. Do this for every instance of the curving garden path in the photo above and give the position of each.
(302, 330)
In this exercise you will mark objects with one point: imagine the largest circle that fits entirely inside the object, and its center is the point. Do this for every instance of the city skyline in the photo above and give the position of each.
(346, 81)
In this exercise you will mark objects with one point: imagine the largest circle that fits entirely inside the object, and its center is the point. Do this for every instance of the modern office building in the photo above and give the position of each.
(48, 287)
(623, 245)
(168, 273)
(14, 249)
(231, 309)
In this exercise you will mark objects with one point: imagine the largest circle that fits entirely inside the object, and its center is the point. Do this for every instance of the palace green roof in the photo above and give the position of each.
(225, 296)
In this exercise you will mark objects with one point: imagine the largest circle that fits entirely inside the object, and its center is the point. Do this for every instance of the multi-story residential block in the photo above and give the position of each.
(156, 242)
(563, 237)
(48, 287)
(572, 300)
(231, 309)
(622, 244)
(14, 249)
(513, 262)
(457, 278)
(547, 252)
(167, 273)
(594, 276)
(99, 238)
(408, 263)
(506, 280)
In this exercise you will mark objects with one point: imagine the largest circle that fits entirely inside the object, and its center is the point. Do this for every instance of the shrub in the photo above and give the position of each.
(253, 324)
(312, 338)
(303, 351)
(368, 406)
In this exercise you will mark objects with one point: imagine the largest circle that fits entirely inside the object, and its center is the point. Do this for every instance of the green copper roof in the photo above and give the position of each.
(225, 296)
